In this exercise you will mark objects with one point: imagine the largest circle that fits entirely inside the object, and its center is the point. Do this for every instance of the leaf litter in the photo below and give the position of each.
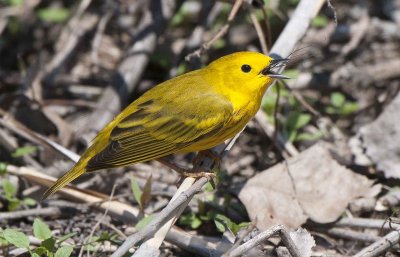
(312, 185)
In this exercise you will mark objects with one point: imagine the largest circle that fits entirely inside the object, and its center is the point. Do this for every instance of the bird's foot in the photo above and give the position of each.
(195, 172)
(199, 158)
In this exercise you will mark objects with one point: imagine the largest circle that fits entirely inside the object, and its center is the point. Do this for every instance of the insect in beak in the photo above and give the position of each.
(276, 63)
(278, 76)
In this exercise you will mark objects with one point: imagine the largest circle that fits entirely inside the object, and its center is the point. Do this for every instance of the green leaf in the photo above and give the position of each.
(331, 110)
(65, 237)
(222, 222)
(220, 43)
(237, 227)
(3, 168)
(349, 108)
(181, 69)
(3, 242)
(13, 203)
(294, 122)
(22, 151)
(220, 226)
(16, 238)
(15, 2)
(309, 136)
(92, 245)
(64, 251)
(300, 120)
(337, 99)
(190, 220)
(143, 222)
(35, 255)
(40, 251)
(146, 194)
(29, 201)
(54, 14)
(49, 244)
(9, 189)
(137, 193)
(319, 21)
(41, 230)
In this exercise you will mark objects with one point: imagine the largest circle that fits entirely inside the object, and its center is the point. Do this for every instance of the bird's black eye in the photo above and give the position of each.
(246, 68)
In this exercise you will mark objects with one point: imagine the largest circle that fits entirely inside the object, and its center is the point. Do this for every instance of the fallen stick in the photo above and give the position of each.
(381, 246)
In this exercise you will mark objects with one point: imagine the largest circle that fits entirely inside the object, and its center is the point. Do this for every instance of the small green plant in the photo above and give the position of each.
(339, 105)
(9, 193)
(95, 243)
(223, 223)
(53, 14)
(191, 220)
(50, 246)
(13, 2)
(22, 151)
(141, 197)
(209, 215)
(319, 21)
(294, 122)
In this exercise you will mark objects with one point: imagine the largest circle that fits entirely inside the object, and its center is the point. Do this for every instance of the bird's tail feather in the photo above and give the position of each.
(72, 174)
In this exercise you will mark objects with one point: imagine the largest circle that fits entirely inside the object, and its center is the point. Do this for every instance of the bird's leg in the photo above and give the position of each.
(215, 157)
(185, 172)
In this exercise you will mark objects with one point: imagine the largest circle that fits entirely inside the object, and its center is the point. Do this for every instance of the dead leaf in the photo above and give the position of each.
(381, 140)
(311, 185)
(304, 241)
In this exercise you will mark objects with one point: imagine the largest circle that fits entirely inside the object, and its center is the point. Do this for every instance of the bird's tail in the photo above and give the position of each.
(72, 174)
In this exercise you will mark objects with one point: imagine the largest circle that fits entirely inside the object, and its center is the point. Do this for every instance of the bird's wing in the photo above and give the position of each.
(156, 129)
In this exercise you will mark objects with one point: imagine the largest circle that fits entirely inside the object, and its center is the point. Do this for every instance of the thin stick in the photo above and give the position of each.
(155, 242)
(260, 33)
(380, 246)
(41, 212)
(268, 26)
(235, 8)
(166, 214)
(88, 239)
(278, 229)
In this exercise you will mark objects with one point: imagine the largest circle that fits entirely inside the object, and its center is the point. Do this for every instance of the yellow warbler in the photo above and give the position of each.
(192, 112)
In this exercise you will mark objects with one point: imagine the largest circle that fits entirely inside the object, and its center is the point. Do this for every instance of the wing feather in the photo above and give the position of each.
(153, 130)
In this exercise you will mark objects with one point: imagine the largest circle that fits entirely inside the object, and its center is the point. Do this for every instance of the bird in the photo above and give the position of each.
(189, 113)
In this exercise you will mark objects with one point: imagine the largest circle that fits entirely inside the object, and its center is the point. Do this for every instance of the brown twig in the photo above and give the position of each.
(380, 246)
(166, 214)
(88, 239)
(40, 212)
(351, 235)
(222, 31)
(240, 239)
(99, 34)
(278, 229)
(260, 33)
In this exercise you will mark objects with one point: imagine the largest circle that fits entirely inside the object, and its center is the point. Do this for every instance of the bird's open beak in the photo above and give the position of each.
(276, 63)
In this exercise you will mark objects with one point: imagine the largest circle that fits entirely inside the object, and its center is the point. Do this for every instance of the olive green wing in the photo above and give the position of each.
(157, 128)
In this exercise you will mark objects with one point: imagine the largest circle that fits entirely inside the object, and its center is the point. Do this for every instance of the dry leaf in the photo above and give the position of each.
(381, 140)
(311, 185)
(304, 241)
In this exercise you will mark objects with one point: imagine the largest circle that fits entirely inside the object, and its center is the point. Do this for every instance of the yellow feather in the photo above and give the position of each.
(192, 112)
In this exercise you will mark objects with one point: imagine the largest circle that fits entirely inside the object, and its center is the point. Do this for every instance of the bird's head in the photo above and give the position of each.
(247, 71)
